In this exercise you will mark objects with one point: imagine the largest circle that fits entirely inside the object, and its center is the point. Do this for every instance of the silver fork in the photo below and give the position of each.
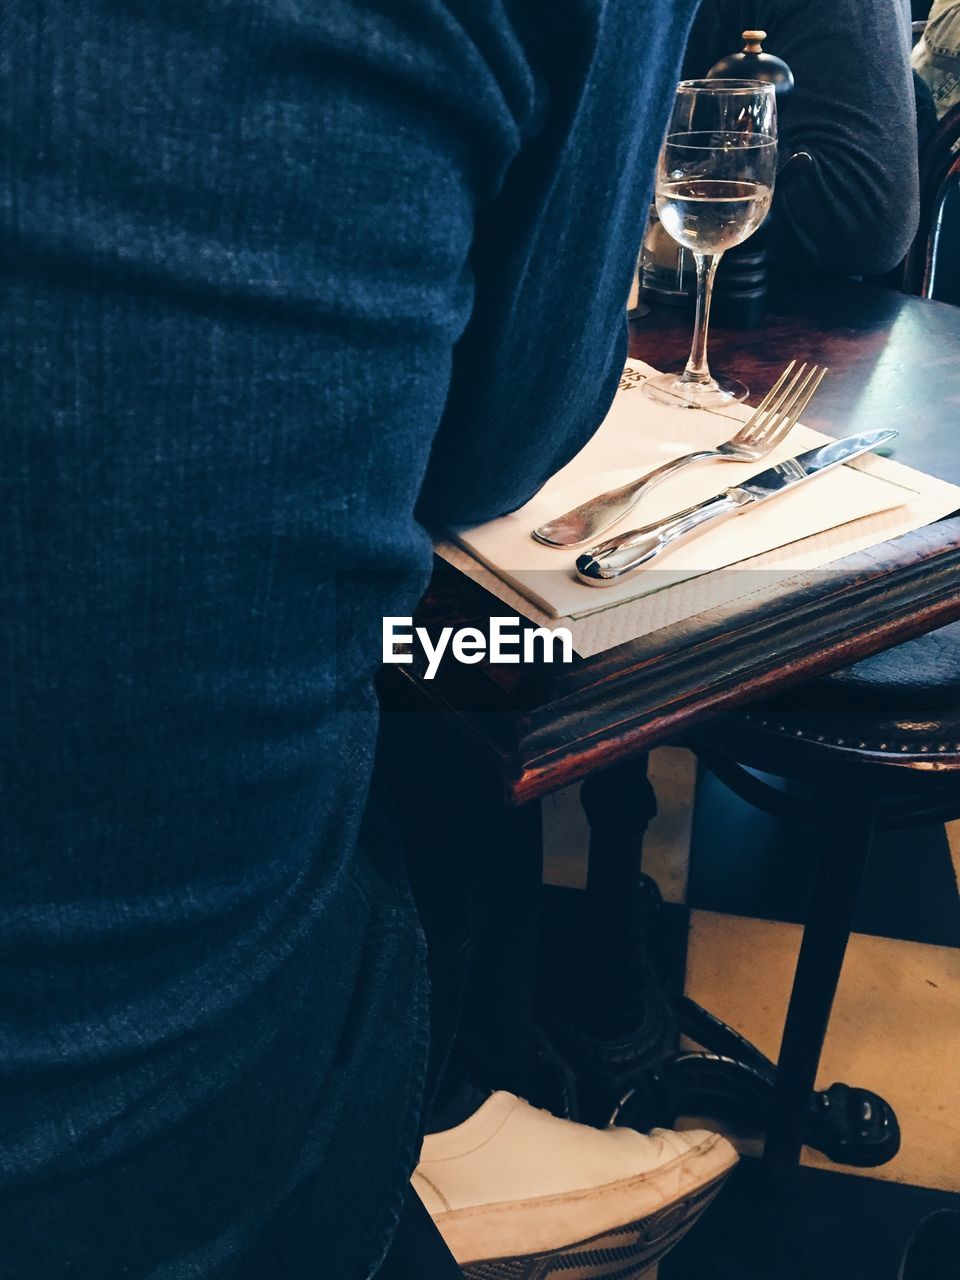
(760, 434)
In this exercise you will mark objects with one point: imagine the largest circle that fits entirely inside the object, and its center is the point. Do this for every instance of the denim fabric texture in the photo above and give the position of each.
(275, 275)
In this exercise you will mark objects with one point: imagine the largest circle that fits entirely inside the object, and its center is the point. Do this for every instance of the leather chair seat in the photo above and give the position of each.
(900, 708)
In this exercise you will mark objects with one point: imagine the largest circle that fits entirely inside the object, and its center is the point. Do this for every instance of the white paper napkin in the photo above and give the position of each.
(637, 435)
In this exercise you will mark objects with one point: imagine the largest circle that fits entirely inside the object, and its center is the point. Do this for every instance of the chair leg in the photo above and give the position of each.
(824, 944)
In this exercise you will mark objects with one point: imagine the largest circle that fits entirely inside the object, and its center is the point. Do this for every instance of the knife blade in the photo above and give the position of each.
(608, 562)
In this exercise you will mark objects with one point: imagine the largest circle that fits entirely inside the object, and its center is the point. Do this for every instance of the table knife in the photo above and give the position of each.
(608, 562)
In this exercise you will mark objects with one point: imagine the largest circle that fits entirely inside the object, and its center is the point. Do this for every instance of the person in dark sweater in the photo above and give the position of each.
(285, 286)
(855, 210)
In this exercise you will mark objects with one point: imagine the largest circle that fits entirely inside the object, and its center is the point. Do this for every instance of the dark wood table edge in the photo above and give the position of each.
(544, 733)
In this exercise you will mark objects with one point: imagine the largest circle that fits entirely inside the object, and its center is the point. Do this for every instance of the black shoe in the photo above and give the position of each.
(933, 1250)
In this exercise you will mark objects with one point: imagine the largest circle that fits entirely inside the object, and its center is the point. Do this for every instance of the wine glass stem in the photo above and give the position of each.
(697, 369)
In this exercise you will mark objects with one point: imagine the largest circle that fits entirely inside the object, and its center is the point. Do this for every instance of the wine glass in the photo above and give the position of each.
(714, 186)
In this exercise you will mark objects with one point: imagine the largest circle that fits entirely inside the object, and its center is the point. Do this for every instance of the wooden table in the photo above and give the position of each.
(893, 361)
(525, 731)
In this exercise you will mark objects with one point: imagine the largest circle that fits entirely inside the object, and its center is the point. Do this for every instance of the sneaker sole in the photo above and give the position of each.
(622, 1253)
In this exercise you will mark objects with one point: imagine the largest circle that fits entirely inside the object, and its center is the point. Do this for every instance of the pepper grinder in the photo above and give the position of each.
(751, 63)
(740, 290)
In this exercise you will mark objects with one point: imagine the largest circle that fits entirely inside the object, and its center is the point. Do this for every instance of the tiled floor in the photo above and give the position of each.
(895, 1026)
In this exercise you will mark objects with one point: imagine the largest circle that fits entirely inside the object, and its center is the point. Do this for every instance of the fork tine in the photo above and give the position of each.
(771, 427)
(767, 399)
(782, 429)
(767, 404)
(792, 415)
(807, 396)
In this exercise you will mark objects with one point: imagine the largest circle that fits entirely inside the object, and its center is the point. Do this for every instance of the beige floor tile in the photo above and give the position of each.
(565, 839)
(666, 849)
(953, 839)
(895, 1026)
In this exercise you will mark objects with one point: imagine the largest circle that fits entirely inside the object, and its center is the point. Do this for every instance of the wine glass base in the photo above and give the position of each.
(670, 388)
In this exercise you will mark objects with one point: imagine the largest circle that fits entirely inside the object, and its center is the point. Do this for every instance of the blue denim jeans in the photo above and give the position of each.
(283, 284)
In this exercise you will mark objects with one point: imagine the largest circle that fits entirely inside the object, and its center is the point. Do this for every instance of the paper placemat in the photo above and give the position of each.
(875, 498)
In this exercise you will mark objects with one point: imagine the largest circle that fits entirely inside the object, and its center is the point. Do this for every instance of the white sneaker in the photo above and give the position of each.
(518, 1194)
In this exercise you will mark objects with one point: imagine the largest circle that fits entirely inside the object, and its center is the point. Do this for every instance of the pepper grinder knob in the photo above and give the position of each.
(753, 41)
(751, 63)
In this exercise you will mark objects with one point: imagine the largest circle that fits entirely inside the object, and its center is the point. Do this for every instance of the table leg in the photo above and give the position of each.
(620, 804)
(606, 1014)
(829, 921)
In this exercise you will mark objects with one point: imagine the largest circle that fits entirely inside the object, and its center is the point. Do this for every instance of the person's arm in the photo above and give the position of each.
(855, 210)
(552, 259)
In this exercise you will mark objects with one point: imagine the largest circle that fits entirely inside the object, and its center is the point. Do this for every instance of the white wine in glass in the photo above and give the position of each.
(714, 187)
